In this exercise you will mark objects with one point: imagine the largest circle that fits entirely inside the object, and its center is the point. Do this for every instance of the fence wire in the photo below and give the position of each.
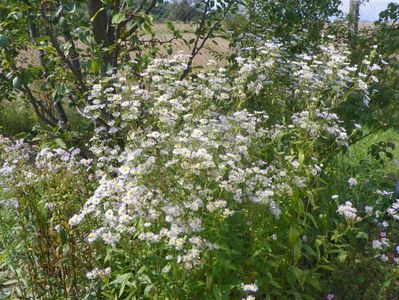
(369, 9)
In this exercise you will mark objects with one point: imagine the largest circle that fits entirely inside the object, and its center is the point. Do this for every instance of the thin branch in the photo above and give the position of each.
(156, 41)
(58, 106)
(34, 102)
(80, 84)
(99, 21)
(147, 11)
(196, 49)
(75, 60)
(131, 30)
(199, 30)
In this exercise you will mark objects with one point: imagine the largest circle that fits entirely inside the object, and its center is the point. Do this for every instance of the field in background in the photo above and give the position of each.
(217, 44)
(162, 33)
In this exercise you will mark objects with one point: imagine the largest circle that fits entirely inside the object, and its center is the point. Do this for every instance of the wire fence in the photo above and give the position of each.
(369, 10)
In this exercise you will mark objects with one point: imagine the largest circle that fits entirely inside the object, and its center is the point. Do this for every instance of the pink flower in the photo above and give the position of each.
(330, 296)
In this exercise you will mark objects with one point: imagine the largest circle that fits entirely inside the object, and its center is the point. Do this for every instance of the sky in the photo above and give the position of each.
(369, 10)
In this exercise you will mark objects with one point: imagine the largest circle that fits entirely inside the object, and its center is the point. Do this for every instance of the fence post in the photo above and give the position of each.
(354, 16)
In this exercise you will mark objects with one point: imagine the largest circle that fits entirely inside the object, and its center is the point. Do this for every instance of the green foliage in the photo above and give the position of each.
(178, 10)
(39, 251)
(51, 52)
(284, 19)
(271, 177)
(16, 119)
(372, 175)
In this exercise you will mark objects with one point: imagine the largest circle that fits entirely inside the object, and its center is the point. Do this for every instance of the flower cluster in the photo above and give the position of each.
(162, 187)
(98, 273)
(24, 164)
(317, 77)
(385, 249)
(186, 165)
(393, 210)
(348, 211)
(249, 288)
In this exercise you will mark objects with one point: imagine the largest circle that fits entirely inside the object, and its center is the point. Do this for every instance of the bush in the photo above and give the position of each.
(226, 184)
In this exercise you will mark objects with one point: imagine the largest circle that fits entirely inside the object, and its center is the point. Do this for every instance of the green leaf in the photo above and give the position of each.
(291, 277)
(209, 280)
(122, 280)
(118, 18)
(9, 282)
(326, 267)
(275, 284)
(95, 66)
(297, 250)
(362, 235)
(148, 27)
(4, 40)
(170, 26)
(300, 276)
(309, 250)
(342, 256)
(63, 236)
(16, 82)
(386, 283)
(293, 235)
(311, 198)
(60, 143)
(217, 293)
(314, 282)
(147, 292)
(95, 15)
(301, 158)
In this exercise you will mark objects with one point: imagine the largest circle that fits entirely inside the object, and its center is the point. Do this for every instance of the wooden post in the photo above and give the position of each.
(354, 16)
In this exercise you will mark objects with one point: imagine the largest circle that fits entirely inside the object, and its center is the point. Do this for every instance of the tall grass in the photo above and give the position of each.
(16, 119)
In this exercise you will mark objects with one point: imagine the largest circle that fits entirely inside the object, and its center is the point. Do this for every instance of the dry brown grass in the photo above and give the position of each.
(220, 45)
(217, 44)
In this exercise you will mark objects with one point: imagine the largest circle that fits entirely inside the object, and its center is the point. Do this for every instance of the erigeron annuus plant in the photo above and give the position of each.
(322, 77)
(179, 160)
(194, 187)
(43, 187)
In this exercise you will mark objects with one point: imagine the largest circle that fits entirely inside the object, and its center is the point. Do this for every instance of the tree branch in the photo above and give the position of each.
(147, 11)
(34, 102)
(80, 84)
(131, 30)
(199, 45)
(58, 106)
(99, 19)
